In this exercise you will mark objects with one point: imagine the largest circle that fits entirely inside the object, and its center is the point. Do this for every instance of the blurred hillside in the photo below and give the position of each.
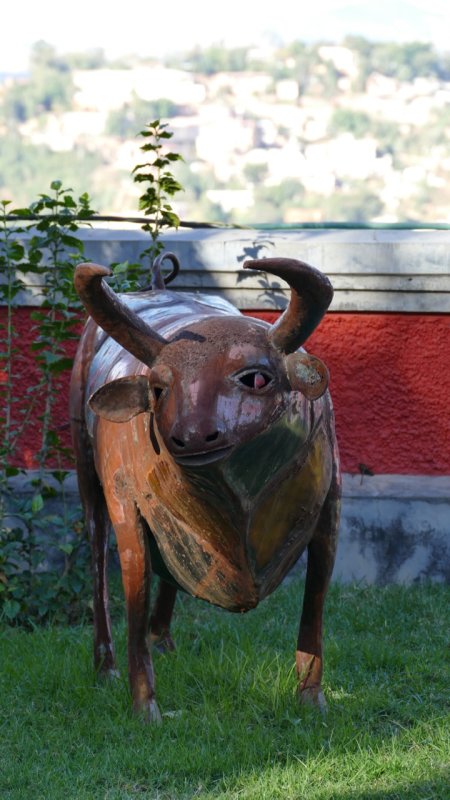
(356, 131)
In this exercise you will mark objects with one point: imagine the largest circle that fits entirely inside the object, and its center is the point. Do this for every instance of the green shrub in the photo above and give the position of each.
(44, 554)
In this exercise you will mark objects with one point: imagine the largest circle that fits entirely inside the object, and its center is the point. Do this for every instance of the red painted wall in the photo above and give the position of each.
(390, 381)
(27, 375)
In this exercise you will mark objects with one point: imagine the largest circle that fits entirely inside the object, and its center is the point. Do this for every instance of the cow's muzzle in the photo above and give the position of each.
(202, 459)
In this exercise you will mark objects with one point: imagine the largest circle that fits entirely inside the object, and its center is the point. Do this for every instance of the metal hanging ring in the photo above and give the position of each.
(157, 266)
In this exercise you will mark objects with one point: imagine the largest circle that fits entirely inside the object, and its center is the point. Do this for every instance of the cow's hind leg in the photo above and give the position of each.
(321, 555)
(95, 511)
(98, 525)
(161, 617)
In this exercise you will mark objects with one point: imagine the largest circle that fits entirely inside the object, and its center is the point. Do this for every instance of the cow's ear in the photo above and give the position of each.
(122, 399)
(307, 374)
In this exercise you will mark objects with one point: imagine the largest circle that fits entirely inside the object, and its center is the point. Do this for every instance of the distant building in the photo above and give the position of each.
(60, 132)
(342, 58)
(110, 89)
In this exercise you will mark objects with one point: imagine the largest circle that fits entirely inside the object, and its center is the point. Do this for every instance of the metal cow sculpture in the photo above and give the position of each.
(207, 439)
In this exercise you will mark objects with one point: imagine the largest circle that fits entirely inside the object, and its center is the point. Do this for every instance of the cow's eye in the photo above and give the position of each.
(255, 379)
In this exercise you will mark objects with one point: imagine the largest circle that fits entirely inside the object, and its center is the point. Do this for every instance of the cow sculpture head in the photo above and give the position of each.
(220, 380)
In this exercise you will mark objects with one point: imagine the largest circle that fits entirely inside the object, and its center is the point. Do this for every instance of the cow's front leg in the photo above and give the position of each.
(136, 574)
(161, 617)
(321, 555)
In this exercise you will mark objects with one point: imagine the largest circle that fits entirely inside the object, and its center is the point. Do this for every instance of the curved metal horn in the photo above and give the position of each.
(116, 318)
(311, 294)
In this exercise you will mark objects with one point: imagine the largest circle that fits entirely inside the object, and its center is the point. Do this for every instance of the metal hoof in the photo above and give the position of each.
(314, 697)
(111, 674)
(152, 713)
(107, 673)
(104, 661)
(148, 712)
(162, 643)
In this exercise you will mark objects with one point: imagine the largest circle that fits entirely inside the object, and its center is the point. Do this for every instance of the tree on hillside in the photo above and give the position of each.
(362, 47)
(25, 169)
(272, 202)
(88, 59)
(405, 61)
(345, 120)
(390, 140)
(256, 172)
(125, 121)
(216, 58)
(48, 88)
(356, 203)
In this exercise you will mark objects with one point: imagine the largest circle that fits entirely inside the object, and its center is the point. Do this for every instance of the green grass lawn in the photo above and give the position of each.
(231, 725)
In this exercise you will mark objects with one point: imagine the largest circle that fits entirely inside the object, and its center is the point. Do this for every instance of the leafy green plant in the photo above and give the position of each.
(29, 589)
(36, 587)
(53, 250)
(160, 185)
(11, 255)
(44, 559)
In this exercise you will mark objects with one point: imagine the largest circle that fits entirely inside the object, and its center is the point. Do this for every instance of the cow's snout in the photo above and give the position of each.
(194, 439)
(198, 445)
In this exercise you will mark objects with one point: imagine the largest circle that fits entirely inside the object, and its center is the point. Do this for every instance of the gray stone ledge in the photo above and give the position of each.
(394, 528)
(405, 487)
(371, 270)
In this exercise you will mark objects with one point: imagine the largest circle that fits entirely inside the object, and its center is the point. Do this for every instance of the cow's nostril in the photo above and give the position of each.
(178, 442)
(212, 437)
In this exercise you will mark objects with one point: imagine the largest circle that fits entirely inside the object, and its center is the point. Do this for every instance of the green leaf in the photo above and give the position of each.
(160, 162)
(154, 124)
(37, 503)
(16, 251)
(25, 213)
(171, 219)
(59, 474)
(63, 363)
(10, 472)
(52, 438)
(66, 548)
(141, 166)
(72, 241)
(49, 491)
(120, 269)
(11, 609)
(142, 177)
